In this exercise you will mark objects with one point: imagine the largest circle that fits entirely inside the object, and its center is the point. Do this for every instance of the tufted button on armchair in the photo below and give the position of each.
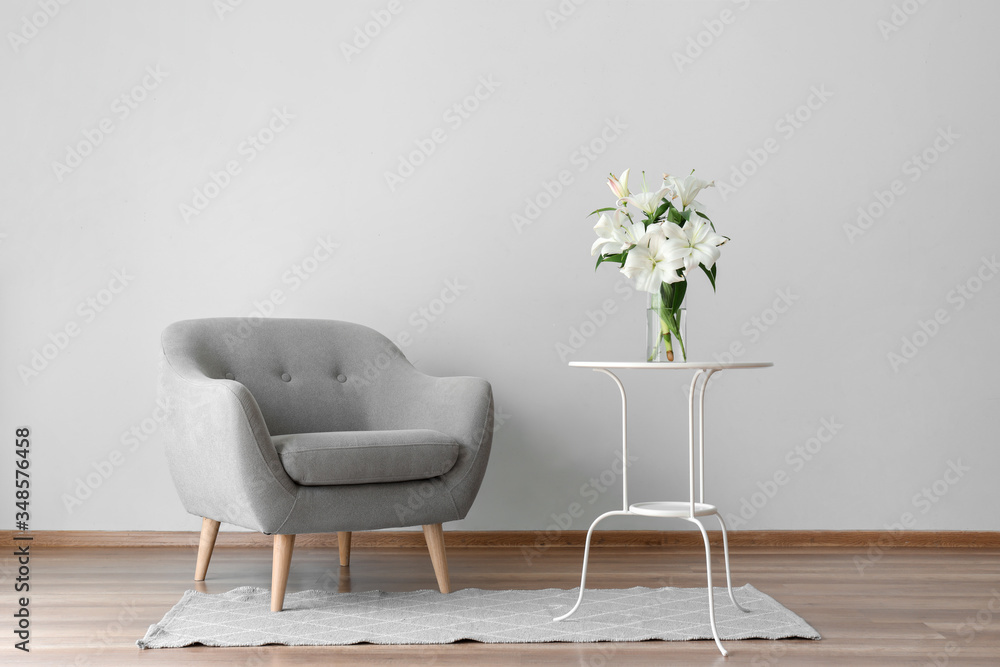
(289, 426)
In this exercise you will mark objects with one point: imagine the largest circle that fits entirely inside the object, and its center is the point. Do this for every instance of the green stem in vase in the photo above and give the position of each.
(657, 303)
(680, 341)
(671, 298)
(665, 332)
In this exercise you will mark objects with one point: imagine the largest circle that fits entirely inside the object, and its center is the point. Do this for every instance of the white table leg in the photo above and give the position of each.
(624, 510)
(711, 596)
(729, 579)
(586, 555)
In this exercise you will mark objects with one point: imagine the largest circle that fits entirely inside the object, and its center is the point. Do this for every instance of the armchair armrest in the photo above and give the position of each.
(220, 453)
(461, 407)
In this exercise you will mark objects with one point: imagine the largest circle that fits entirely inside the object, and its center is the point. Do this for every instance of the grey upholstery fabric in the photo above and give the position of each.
(233, 383)
(365, 457)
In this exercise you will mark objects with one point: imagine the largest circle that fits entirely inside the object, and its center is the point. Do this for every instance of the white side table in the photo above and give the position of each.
(689, 510)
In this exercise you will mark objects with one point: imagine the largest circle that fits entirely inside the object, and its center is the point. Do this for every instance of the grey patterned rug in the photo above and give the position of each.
(242, 617)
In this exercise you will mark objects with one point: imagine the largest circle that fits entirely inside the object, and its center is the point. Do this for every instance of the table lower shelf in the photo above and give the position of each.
(672, 509)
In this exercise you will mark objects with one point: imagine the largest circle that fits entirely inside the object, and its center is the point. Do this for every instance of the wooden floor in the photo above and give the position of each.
(900, 606)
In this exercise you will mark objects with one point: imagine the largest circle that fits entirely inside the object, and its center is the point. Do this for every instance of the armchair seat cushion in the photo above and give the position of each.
(365, 457)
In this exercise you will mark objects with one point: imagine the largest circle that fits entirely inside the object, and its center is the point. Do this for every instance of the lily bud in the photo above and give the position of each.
(619, 185)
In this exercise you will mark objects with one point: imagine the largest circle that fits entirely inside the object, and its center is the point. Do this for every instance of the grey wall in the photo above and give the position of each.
(478, 257)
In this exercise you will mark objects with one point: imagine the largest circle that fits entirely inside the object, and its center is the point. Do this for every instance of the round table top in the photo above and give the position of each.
(672, 365)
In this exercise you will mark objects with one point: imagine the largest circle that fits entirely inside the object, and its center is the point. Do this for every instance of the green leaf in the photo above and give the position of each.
(677, 298)
(660, 210)
(602, 210)
(617, 257)
(710, 274)
(666, 294)
(676, 217)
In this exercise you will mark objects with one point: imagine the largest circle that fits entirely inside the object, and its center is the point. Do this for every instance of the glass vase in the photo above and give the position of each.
(666, 332)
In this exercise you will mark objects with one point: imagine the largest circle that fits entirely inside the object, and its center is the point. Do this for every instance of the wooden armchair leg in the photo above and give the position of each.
(344, 545)
(209, 531)
(283, 545)
(435, 544)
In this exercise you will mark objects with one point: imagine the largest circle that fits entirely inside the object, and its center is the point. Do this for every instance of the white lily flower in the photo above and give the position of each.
(615, 233)
(686, 189)
(654, 260)
(699, 244)
(619, 185)
(647, 201)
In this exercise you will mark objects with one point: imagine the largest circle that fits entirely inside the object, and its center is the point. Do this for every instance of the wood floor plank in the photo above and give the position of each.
(910, 606)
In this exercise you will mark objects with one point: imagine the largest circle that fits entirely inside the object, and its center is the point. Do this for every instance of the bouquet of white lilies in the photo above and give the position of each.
(657, 249)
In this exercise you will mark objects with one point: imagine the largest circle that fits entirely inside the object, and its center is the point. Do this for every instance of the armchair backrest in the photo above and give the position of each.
(306, 375)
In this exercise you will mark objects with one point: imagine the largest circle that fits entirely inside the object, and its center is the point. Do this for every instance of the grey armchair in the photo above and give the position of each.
(289, 426)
